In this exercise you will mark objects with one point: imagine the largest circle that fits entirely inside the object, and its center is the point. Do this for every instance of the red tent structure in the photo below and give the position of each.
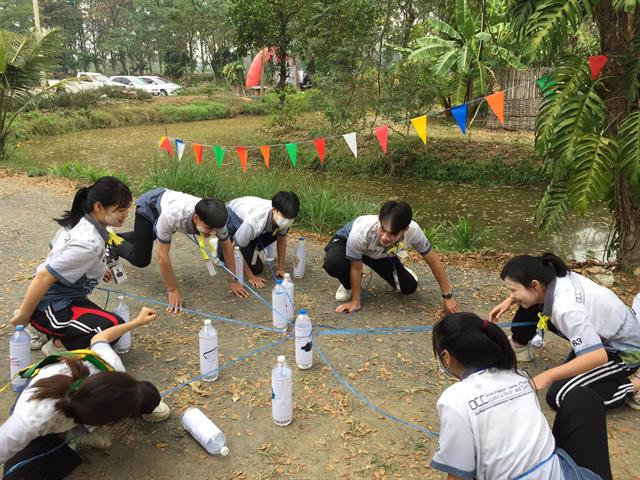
(257, 67)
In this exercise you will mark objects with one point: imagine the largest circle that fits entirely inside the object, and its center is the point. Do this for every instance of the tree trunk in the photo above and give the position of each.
(615, 29)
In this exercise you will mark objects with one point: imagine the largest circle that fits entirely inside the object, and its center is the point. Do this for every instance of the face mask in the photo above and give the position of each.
(444, 369)
(202, 230)
(281, 221)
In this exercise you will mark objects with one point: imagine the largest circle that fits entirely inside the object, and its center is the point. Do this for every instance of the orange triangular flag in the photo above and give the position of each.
(266, 153)
(596, 63)
(420, 124)
(496, 102)
(242, 153)
(382, 133)
(197, 150)
(165, 144)
(319, 144)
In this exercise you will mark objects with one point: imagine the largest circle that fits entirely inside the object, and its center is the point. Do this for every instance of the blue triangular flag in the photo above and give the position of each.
(459, 112)
(180, 148)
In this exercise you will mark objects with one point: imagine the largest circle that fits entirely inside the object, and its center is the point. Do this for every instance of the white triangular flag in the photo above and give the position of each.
(180, 148)
(350, 138)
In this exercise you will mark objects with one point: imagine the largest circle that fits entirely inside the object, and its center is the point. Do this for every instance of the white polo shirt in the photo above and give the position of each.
(176, 215)
(77, 261)
(592, 317)
(492, 427)
(36, 418)
(250, 217)
(362, 239)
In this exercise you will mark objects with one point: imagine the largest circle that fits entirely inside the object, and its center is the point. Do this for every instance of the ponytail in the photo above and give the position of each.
(525, 268)
(109, 191)
(475, 343)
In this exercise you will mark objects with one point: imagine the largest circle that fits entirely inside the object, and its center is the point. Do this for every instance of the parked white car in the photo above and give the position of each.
(166, 87)
(97, 79)
(134, 82)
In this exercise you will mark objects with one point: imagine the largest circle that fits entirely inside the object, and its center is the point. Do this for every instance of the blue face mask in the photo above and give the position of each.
(444, 369)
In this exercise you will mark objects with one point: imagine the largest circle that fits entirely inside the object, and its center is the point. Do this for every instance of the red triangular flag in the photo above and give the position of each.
(266, 153)
(496, 102)
(596, 62)
(319, 143)
(383, 134)
(197, 150)
(242, 153)
(165, 144)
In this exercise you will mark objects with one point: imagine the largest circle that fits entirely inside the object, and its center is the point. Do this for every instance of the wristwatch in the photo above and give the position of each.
(447, 296)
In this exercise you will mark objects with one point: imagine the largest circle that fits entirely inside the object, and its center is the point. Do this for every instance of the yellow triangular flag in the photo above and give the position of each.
(420, 124)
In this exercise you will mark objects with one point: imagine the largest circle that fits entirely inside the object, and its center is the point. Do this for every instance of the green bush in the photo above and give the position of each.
(194, 111)
(79, 172)
(462, 236)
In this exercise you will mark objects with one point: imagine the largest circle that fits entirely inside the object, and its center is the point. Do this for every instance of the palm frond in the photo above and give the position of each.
(627, 6)
(632, 67)
(519, 11)
(554, 207)
(430, 47)
(442, 27)
(629, 152)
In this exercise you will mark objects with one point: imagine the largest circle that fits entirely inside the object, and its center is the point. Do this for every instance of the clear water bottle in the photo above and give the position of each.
(19, 356)
(213, 246)
(205, 432)
(290, 291)
(279, 304)
(271, 252)
(304, 345)
(300, 260)
(238, 264)
(123, 345)
(281, 393)
(208, 352)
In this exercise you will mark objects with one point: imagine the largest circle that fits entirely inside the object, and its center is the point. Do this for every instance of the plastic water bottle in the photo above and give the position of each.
(304, 346)
(213, 245)
(208, 352)
(281, 393)
(300, 260)
(123, 345)
(239, 264)
(205, 432)
(270, 252)
(19, 356)
(279, 304)
(290, 291)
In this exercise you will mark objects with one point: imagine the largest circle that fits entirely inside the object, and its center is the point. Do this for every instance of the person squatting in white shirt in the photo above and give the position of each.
(604, 333)
(491, 424)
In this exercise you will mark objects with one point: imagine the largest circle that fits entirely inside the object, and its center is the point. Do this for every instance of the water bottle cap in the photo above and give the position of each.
(287, 275)
(207, 322)
(237, 249)
(303, 311)
(301, 238)
(224, 451)
(20, 328)
(120, 297)
(281, 359)
(278, 282)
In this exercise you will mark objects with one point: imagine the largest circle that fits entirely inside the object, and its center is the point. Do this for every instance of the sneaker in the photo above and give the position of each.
(523, 353)
(52, 347)
(159, 414)
(342, 294)
(38, 339)
(634, 400)
(94, 439)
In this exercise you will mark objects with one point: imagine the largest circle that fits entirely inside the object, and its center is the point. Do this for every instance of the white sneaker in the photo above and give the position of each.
(50, 348)
(342, 294)
(37, 338)
(95, 439)
(523, 353)
(159, 414)
(634, 400)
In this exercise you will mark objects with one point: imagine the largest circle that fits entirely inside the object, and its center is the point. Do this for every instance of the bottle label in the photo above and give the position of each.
(281, 401)
(304, 347)
(209, 356)
(210, 267)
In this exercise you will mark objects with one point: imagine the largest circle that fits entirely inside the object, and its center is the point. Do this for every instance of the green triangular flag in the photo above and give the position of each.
(219, 153)
(544, 82)
(292, 149)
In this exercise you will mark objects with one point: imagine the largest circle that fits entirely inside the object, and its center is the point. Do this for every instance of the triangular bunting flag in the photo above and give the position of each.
(420, 124)
(197, 151)
(382, 134)
(242, 153)
(180, 148)
(544, 84)
(266, 154)
(459, 112)
(350, 138)
(596, 62)
(219, 153)
(165, 144)
(496, 102)
(292, 150)
(319, 143)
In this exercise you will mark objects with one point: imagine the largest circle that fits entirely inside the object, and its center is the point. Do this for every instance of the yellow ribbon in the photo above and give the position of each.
(543, 320)
(395, 248)
(203, 248)
(114, 238)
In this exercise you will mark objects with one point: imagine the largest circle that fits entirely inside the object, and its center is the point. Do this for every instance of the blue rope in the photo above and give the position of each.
(395, 330)
(193, 312)
(27, 461)
(368, 402)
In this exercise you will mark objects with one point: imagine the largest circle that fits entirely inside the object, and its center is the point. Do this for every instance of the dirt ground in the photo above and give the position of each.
(334, 434)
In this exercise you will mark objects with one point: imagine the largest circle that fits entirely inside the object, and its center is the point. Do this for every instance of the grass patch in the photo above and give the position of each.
(77, 171)
(462, 236)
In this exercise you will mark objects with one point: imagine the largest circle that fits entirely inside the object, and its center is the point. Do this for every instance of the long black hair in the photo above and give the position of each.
(109, 191)
(526, 268)
(475, 343)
